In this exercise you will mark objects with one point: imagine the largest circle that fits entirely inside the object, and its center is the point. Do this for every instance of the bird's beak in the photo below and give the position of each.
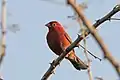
(47, 25)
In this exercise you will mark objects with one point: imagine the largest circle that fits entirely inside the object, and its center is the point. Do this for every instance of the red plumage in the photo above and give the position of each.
(58, 40)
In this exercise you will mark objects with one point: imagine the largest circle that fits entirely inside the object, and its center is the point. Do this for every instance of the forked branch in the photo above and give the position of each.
(94, 33)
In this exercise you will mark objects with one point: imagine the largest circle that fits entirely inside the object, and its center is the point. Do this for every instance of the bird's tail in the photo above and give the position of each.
(77, 63)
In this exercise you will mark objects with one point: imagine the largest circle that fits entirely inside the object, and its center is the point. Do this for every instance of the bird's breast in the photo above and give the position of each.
(54, 42)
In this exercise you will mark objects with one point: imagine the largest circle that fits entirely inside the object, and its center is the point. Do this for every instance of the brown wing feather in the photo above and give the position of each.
(68, 38)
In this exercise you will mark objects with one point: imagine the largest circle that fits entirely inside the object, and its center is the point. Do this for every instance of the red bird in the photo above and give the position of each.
(58, 40)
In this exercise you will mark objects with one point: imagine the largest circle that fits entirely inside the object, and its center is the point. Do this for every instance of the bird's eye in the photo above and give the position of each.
(53, 24)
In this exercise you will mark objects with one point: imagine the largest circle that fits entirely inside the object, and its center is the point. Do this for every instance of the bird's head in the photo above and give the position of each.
(52, 24)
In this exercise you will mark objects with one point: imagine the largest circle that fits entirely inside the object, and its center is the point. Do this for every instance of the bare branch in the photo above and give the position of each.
(99, 40)
(85, 51)
(114, 19)
(98, 78)
(105, 18)
(3, 31)
(91, 53)
(86, 55)
(83, 29)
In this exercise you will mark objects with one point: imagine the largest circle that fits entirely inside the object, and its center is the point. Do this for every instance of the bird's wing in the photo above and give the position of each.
(68, 37)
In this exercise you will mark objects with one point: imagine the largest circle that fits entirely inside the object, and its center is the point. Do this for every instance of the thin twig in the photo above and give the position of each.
(85, 50)
(114, 19)
(105, 18)
(91, 53)
(3, 31)
(98, 78)
(88, 61)
(58, 60)
(81, 24)
(94, 33)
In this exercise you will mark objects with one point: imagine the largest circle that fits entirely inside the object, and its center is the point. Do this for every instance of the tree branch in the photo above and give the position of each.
(88, 60)
(3, 31)
(105, 18)
(83, 29)
(91, 53)
(94, 33)
(61, 57)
